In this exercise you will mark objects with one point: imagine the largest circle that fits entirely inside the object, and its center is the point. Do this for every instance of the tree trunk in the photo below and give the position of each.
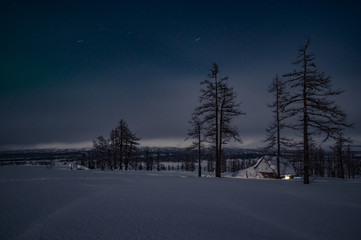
(199, 152)
(306, 177)
(342, 173)
(278, 136)
(218, 162)
(220, 141)
(121, 155)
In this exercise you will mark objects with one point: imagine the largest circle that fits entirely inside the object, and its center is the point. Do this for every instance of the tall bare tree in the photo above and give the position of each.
(274, 137)
(217, 110)
(229, 109)
(310, 103)
(127, 143)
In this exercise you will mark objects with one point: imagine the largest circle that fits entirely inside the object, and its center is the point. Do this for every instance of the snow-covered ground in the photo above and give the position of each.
(41, 203)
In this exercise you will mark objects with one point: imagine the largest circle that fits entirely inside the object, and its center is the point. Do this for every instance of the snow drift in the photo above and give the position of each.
(40, 203)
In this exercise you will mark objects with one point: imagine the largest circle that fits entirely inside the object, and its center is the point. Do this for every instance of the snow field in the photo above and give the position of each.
(40, 203)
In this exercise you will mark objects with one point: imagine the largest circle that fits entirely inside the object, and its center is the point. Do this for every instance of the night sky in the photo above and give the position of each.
(70, 70)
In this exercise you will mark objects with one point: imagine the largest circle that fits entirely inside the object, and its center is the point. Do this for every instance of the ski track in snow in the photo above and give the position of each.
(40, 203)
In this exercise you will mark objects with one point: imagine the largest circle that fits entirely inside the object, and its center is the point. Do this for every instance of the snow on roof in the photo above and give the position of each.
(262, 165)
(266, 164)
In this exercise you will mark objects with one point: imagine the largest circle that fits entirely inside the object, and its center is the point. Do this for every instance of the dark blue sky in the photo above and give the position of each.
(70, 70)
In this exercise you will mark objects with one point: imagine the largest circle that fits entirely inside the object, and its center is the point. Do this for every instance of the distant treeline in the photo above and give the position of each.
(40, 156)
(324, 164)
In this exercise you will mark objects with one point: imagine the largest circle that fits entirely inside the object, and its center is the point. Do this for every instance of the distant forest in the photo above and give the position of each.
(183, 159)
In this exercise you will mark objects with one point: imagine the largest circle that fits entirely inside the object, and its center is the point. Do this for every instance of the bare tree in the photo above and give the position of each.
(217, 110)
(158, 160)
(113, 147)
(121, 145)
(121, 132)
(209, 109)
(229, 109)
(131, 143)
(310, 102)
(339, 150)
(196, 133)
(274, 138)
(148, 159)
(101, 147)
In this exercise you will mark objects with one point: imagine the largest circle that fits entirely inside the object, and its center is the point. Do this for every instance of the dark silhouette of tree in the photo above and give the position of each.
(210, 163)
(113, 147)
(121, 139)
(310, 103)
(195, 132)
(319, 162)
(121, 146)
(229, 109)
(148, 159)
(217, 109)
(351, 162)
(274, 138)
(101, 147)
(340, 152)
(130, 148)
(158, 160)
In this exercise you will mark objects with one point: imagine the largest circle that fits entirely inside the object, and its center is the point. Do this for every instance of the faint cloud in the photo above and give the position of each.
(54, 145)
(165, 142)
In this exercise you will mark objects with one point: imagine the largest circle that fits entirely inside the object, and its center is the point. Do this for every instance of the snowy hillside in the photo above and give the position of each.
(40, 203)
